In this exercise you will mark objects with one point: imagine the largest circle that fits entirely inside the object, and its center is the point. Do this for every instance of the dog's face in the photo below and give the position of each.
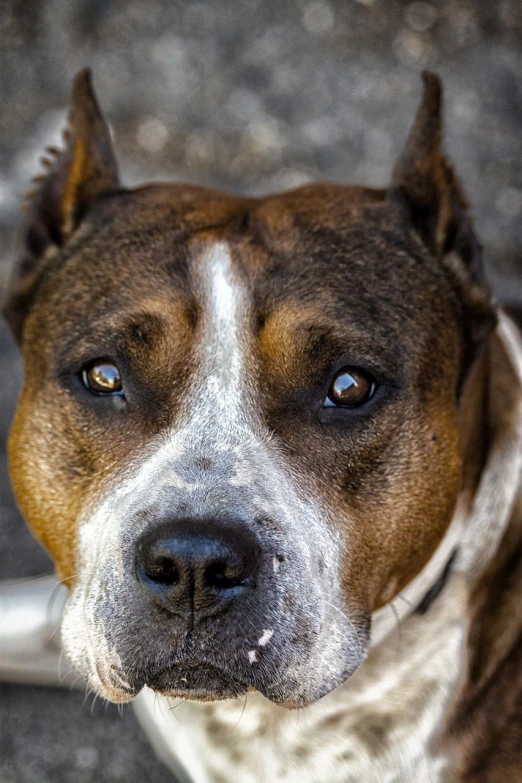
(239, 431)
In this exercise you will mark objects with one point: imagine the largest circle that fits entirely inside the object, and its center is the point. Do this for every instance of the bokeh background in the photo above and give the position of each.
(255, 96)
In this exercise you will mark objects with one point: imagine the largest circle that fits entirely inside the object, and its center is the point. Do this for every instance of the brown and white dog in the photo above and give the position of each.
(274, 447)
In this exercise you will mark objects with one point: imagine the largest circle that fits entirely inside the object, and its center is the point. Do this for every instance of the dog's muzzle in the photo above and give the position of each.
(203, 587)
(210, 601)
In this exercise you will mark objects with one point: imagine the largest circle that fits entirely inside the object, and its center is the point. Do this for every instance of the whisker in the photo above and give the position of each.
(15, 582)
(52, 634)
(50, 603)
(70, 670)
(242, 712)
(53, 595)
(73, 683)
(95, 699)
(88, 691)
(171, 709)
(399, 628)
(406, 600)
(350, 622)
(60, 665)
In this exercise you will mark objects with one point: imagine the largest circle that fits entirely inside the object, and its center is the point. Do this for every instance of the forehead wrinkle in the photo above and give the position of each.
(293, 332)
(168, 314)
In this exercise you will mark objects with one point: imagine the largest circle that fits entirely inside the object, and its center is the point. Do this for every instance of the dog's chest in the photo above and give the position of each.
(380, 727)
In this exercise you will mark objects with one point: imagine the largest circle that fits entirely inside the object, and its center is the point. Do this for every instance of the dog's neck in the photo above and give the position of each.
(389, 719)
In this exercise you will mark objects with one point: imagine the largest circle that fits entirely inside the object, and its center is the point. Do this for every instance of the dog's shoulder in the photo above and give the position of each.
(487, 722)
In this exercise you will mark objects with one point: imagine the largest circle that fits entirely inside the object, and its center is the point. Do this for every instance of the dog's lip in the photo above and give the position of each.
(197, 680)
(118, 690)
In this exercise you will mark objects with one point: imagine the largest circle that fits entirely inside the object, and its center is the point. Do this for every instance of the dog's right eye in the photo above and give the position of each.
(102, 377)
(351, 388)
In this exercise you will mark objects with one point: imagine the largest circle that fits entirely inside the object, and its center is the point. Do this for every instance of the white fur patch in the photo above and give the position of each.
(267, 635)
(222, 343)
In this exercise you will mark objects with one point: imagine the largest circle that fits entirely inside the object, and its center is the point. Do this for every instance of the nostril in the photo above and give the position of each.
(219, 575)
(162, 571)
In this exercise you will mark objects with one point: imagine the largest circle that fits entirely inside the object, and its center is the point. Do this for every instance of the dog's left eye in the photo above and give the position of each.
(351, 388)
(102, 377)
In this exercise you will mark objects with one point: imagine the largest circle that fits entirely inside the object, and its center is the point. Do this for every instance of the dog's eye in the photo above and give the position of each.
(102, 377)
(350, 388)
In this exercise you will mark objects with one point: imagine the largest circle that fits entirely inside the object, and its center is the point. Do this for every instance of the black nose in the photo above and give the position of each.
(197, 566)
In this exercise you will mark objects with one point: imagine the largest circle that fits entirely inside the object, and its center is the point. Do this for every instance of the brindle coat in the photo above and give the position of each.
(228, 318)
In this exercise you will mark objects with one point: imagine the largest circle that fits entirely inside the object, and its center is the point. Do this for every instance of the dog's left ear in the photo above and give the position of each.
(426, 187)
(76, 176)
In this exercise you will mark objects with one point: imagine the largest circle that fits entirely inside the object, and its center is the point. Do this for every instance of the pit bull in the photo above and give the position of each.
(274, 447)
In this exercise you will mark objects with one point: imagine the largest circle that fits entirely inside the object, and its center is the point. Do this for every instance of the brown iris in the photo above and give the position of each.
(102, 377)
(350, 388)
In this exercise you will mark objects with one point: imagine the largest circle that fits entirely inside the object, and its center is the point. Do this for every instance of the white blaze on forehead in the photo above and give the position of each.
(224, 333)
(223, 295)
(214, 412)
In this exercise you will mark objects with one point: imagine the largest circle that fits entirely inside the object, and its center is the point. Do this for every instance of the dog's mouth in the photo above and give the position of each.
(199, 681)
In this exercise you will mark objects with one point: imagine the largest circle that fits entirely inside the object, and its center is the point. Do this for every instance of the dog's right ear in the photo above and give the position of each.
(426, 189)
(77, 175)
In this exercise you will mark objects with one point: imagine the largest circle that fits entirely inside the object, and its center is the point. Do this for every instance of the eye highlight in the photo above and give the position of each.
(102, 377)
(351, 388)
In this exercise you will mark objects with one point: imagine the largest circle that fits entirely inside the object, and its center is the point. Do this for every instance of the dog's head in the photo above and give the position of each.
(240, 428)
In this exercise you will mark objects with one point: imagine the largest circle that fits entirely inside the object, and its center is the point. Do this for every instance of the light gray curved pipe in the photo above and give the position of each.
(30, 611)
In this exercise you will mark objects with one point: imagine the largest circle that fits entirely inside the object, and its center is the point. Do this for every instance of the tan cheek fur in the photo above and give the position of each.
(53, 475)
(38, 486)
(399, 528)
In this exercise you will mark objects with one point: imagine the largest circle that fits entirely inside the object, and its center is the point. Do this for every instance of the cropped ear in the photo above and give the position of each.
(83, 170)
(426, 187)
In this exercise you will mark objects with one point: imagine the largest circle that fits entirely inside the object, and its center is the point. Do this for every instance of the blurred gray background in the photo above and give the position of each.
(255, 96)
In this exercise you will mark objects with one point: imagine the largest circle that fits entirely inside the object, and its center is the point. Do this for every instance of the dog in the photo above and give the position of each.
(274, 447)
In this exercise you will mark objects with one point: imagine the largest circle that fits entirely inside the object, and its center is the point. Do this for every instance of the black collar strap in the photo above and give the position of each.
(436, 589)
